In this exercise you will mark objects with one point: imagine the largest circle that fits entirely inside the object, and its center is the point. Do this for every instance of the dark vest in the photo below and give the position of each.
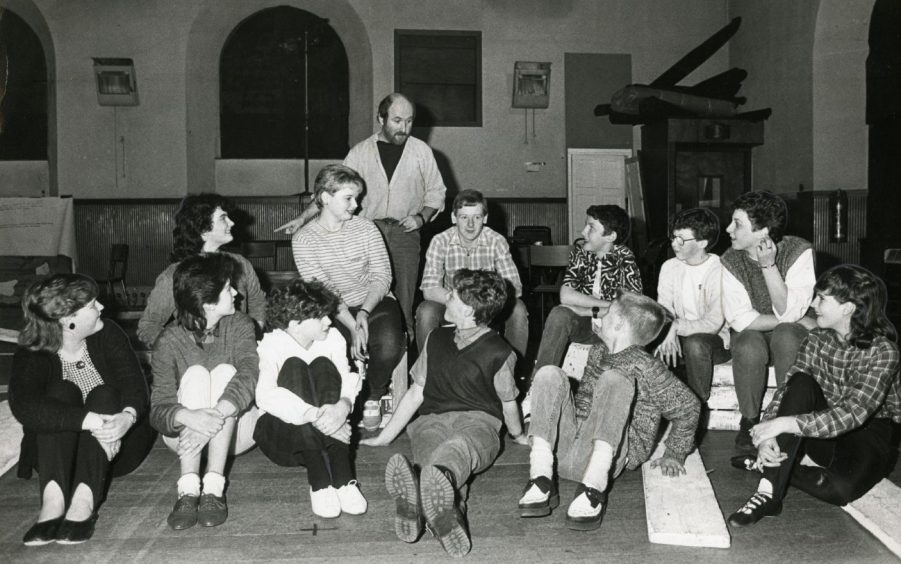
(750, 275)
(463, 380)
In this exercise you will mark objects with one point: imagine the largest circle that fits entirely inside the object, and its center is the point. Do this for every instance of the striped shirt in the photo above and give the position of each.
(349, 261)
(447, 255)
(857, 383)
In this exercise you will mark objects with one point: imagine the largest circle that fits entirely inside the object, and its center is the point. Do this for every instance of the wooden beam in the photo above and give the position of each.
(683, 510)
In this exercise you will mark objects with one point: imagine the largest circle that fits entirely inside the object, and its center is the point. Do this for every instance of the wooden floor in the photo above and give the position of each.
(270, 520)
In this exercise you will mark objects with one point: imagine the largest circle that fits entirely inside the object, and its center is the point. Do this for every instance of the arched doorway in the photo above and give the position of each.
(215, 21)
(283, 91)
(28, 145)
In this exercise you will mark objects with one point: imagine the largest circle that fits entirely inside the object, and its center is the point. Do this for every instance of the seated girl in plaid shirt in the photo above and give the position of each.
(837, 405)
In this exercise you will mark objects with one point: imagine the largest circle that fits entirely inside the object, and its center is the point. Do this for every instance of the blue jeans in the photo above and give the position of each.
(403, 250)
(430, 315)
(464, 442)
(701, 351)
(753, 352)
(562, 327)
(554, 419)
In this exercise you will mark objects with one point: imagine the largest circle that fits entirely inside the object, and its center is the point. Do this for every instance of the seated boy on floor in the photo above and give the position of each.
(463, 391)
(612, 420)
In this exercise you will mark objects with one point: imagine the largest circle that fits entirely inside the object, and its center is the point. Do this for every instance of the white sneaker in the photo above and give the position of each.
(372, 415)
(351, 499)
(325, 502)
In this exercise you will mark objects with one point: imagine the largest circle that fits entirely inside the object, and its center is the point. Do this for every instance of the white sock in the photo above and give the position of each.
(598, 466)
(213, 483)
(189, 484)
(541, 459)
(765, 487)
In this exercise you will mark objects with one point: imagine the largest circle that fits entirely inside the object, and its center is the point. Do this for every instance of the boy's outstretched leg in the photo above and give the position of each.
(439, 505)
(403, 485)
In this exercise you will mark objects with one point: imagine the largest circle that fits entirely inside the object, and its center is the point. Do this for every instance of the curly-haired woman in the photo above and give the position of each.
(202, 225)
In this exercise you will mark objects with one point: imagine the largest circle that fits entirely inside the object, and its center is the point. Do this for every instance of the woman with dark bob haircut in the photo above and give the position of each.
(78, 390)
(202, 225)
(205, 369)
(305, 392)
(838, 403)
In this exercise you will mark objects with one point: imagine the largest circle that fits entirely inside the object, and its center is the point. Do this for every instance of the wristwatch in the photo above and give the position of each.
(595, 311)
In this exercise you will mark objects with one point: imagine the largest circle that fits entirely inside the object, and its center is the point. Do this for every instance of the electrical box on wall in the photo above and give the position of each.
(116, 83)
(531, 84)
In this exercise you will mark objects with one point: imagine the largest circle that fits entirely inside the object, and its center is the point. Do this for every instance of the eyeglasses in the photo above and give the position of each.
(681, 241)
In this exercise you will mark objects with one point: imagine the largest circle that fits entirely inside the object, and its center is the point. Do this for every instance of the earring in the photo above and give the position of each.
(71, 326)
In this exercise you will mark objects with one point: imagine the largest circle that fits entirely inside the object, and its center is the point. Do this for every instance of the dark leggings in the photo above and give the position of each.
(327, 459)
(70, 458)
(852, 463)
(386, 345)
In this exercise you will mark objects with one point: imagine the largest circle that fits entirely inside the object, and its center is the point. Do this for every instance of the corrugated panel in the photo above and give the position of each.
(551, 213)
(857, 226)
(146, 227)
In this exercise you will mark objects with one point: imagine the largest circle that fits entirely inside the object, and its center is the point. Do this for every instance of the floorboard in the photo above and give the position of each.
(270, 520)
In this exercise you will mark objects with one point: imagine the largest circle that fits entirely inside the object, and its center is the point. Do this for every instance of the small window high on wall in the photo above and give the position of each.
(23, 92)
(283, 70)
(442, 72)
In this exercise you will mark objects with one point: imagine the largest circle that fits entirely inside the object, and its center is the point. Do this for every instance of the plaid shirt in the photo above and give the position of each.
(447, 255)
(618, 270)
(858, 383)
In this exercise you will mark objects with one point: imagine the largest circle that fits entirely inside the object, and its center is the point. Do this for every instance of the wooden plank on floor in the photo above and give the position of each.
(723, 397)
(683, 510)
(575, 360)
(10, 438)
(722, 375)
(880, 513)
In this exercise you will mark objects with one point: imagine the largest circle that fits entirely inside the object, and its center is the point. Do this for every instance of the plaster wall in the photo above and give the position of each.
(168, 144)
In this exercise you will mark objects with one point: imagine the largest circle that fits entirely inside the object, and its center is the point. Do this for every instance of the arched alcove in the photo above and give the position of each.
(35, 178)
(283, 88)
(209, 32)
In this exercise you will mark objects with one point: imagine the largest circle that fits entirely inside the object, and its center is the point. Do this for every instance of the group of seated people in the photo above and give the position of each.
(336, 332)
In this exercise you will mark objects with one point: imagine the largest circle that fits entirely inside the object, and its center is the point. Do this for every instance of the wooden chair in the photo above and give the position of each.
(115, 275)
(546, 267)
(259, 251)
(531, 234)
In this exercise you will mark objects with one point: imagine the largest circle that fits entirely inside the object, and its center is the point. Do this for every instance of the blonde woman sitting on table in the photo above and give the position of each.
(81, 397)
(347, 253)
(205, 370)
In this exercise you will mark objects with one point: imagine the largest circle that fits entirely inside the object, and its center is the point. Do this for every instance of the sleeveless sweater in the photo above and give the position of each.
(463, 380)
(750, 275)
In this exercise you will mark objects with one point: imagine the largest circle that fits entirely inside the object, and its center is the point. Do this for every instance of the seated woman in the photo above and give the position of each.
(205, 369)
(305, 393)
(202, 225)
(348, 254)
(837, 405)
(81, 397)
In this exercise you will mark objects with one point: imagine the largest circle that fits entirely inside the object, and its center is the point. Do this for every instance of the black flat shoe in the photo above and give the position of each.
(42, 533)
(76, 532)
(756, 508)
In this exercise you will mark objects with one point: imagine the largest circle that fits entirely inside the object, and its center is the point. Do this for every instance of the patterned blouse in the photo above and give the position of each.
(618, 270)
